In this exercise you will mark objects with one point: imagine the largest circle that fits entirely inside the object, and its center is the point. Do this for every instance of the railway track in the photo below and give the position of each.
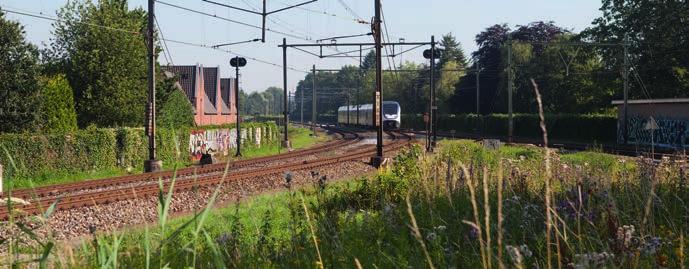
(76, 195)
(344, 139)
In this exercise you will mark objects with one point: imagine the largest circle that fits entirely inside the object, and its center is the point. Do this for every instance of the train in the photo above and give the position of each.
(392, 115)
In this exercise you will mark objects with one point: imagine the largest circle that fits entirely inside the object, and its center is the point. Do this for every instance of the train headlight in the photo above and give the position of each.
(391, 116)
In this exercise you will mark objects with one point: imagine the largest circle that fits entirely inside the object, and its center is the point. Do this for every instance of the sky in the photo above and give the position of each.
(412, 20)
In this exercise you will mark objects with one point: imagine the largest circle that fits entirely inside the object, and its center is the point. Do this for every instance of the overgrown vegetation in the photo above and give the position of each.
(464, 207)
(57, 106)
(18, 73)
(568, 127)
(99, 152)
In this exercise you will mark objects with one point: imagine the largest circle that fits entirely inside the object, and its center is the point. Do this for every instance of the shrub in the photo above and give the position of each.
(35, 155)
(57, 108)
(175, 111)
(600, 128)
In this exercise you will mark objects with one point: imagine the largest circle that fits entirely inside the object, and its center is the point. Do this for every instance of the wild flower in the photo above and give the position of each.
(518, 253)
(473, 233)
(625, 236)
(388, 208)
(591, 260)
(651, 245)
(431, 236)
(223, 239)
(440, 228)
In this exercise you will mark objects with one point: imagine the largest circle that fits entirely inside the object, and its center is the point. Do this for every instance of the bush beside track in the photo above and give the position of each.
(32, 156)
(570, 127)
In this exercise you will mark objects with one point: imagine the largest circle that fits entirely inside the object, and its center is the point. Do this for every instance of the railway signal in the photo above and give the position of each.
(432, 54)
(237, 62)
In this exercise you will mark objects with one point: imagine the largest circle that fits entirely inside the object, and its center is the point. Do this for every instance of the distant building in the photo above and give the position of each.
(665, 122)
(213, 98)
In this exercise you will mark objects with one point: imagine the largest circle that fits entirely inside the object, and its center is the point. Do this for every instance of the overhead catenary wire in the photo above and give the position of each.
(242, 23)
(231, 20)
(325, 13)
(351, 11)
(41, 16)
(233, 53)
(166, 51)
(162, 39)
(284, 24)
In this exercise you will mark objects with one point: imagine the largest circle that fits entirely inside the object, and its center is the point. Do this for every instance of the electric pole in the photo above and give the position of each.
(510, 82)
(360, 83)
(151, 165)
(434, 105)
(478, 88)
(313, 102)
(625, 75)
(285, 142)
(301, 109)
(378, 120)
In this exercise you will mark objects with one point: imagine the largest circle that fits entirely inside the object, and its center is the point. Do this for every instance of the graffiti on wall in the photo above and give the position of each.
(672, 133)
(216, 141)
(257, 136)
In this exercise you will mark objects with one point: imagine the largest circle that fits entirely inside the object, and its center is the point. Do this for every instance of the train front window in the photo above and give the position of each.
(389, 109)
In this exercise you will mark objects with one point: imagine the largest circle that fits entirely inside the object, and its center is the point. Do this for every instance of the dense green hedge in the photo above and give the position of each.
(34, 155)
(586, 128)
(95, 149)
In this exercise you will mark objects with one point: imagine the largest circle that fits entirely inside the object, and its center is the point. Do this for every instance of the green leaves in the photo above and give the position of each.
(18, 83)
(57, 106)
(174, 109)
(106, 68)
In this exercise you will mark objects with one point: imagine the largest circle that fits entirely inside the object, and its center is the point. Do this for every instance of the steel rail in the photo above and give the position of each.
(110, 196)
(55, 190)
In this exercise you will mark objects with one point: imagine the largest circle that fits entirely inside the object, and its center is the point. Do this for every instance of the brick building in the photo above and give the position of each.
(213, 98)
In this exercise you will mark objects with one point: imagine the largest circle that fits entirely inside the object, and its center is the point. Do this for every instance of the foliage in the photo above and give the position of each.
(57, 105)
(38, 155)
(106, 68)
(568, 127)
(658, 42)
(174, 109)
(18, 78)
(92, 151)
(256, 104)
(444, 210)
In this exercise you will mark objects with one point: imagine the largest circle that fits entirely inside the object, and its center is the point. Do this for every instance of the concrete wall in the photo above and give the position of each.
(672, 120)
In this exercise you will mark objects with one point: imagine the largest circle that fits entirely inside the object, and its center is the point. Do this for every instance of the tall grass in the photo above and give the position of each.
(405, 217)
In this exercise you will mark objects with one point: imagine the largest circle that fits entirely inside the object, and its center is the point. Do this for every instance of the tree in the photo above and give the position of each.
(446, 85)
(452, 51)
(57, 105)
(105, 67)
(18, 78)
(275, 96)
(243, 97)
(256, 103)
(658, 42)
(369, 62)
(174, 109)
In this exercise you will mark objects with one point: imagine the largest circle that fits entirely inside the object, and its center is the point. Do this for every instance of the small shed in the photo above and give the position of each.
(662, 122)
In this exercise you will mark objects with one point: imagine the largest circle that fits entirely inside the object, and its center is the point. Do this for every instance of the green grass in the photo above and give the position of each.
(60, 178)
(595, 196)
(300, 138)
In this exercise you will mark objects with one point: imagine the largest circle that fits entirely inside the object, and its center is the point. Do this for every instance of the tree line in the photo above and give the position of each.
(93, 72)
(577, 72)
